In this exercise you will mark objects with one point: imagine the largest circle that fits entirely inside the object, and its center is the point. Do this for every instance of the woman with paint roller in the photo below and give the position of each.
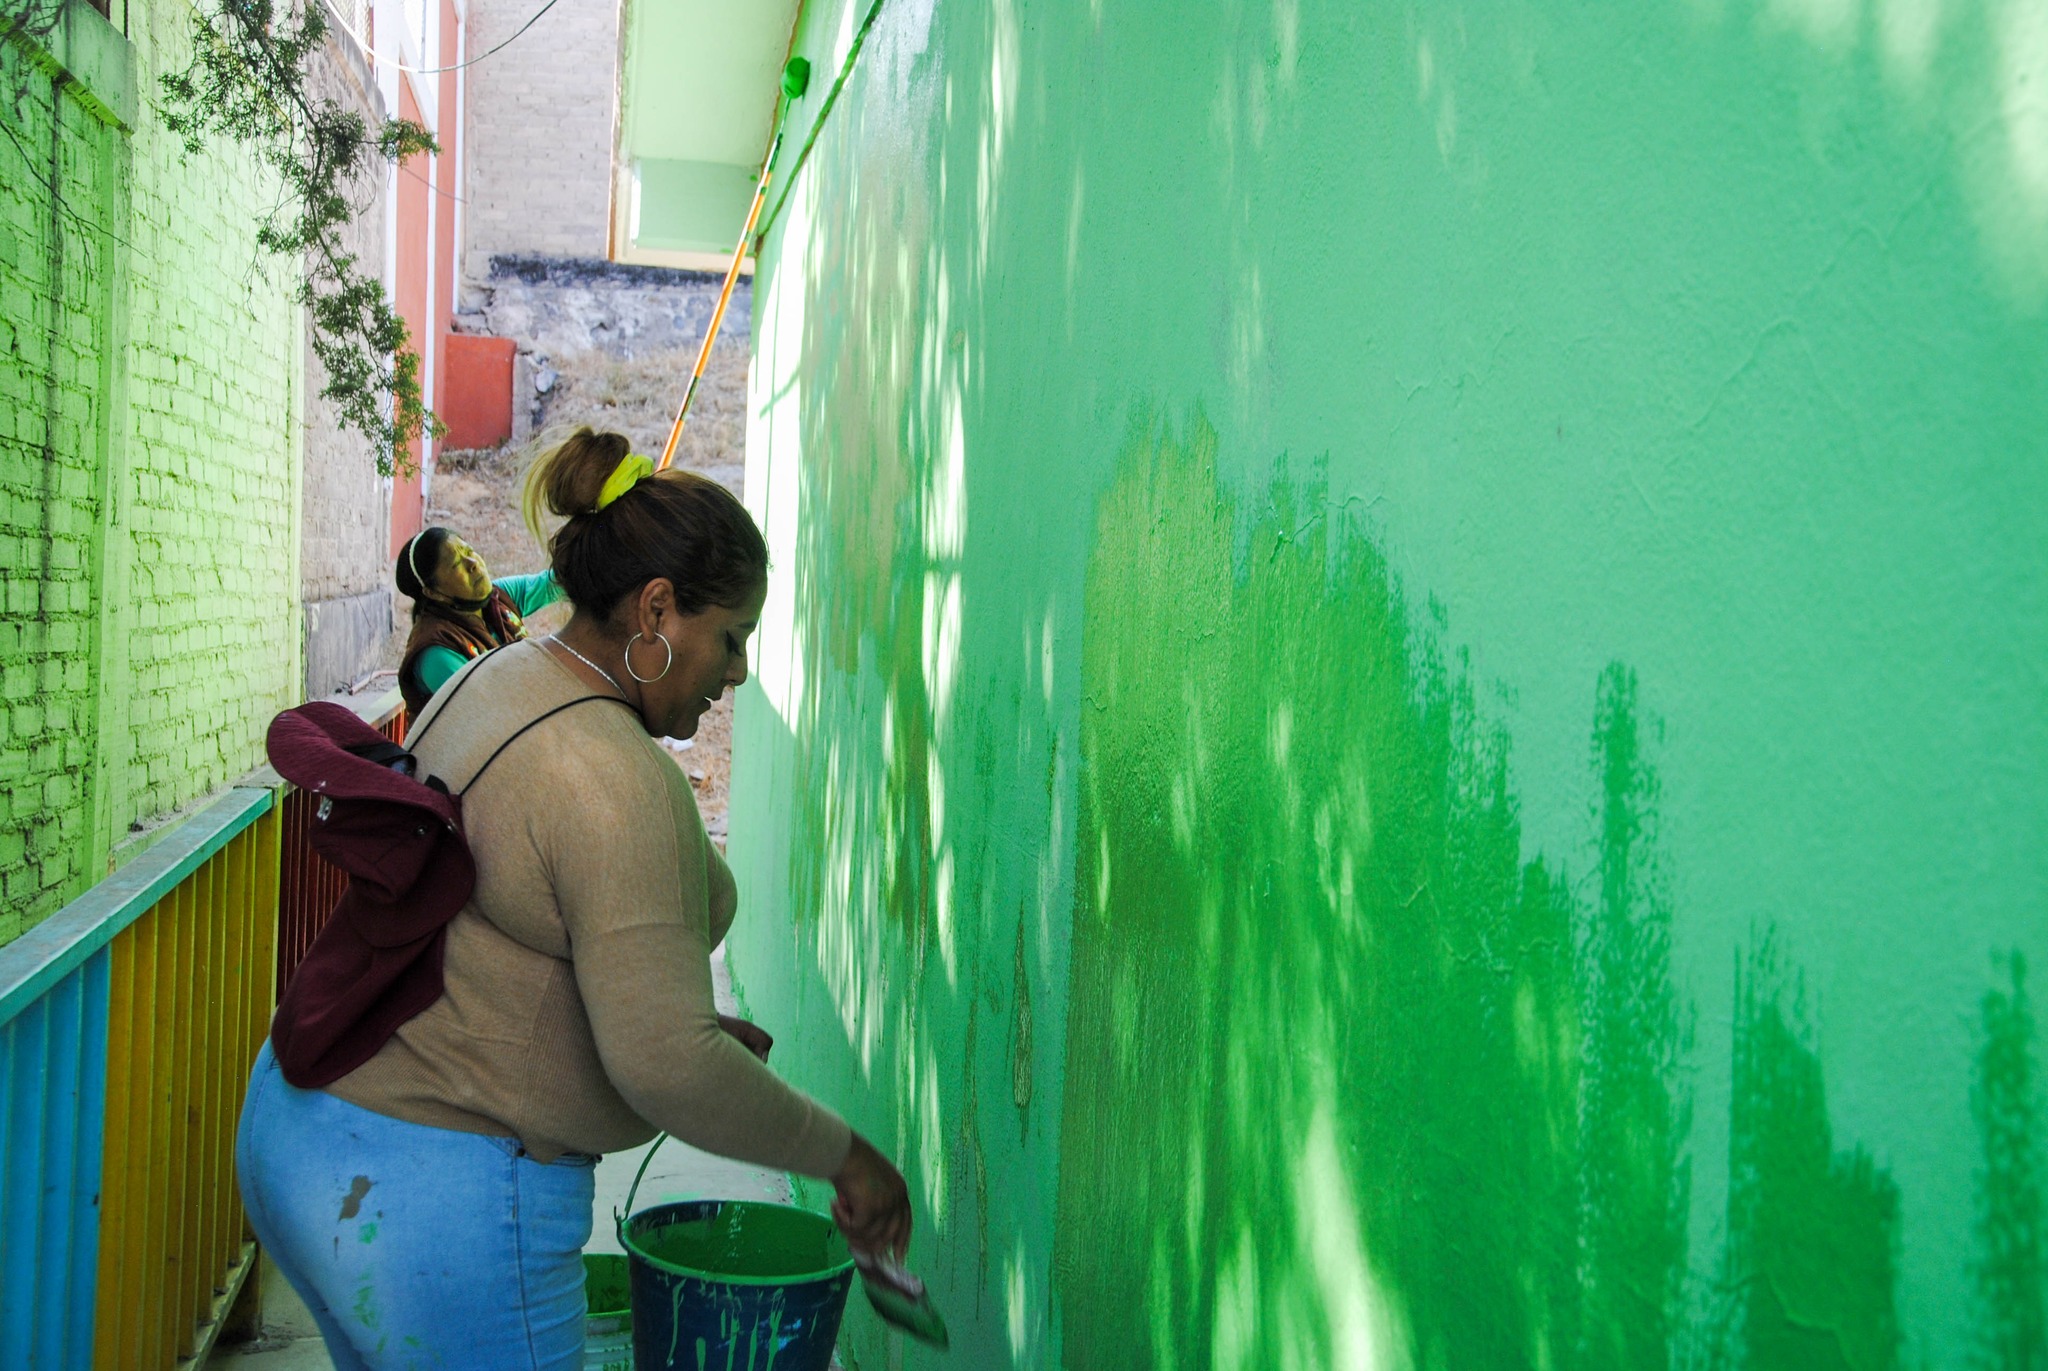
(458, 611)
(431, 1204)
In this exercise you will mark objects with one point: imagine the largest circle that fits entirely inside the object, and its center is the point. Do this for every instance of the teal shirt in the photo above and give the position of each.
(527, 593)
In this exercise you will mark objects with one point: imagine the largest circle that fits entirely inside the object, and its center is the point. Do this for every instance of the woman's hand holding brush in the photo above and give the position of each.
(873, 1203)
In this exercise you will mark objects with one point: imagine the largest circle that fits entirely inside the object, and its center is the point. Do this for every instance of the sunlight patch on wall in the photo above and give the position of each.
(1017, 1305)
(1830, 23)
(1363, 1328)
(775, 455)
(1979, 68)
(2023, 98)
(1908, 33)
(1003, 75)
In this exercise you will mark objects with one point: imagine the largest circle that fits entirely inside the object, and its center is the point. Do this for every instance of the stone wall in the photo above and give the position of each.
(344, 570)
(555, 307)
(539, 114)
(627, 336)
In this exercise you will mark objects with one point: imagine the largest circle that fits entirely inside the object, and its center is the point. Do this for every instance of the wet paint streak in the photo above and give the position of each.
(970, 1143)
(1020, 1034)
(2009, 1267)
(1813, 1233)
(1339, 1056)
(1634, 1172)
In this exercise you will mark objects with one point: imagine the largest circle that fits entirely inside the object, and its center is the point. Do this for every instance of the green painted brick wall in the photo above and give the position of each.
(1400, 721)
(148, 471)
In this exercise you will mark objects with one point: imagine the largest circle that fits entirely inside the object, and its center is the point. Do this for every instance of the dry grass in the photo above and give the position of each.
(638, 397)
(477, 493)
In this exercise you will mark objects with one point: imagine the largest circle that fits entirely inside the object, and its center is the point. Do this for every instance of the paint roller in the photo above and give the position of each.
(796, 79)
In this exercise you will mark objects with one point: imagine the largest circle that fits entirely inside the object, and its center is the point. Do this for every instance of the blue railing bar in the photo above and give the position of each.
(41, 957)
(22, 1247)
(82, 1288)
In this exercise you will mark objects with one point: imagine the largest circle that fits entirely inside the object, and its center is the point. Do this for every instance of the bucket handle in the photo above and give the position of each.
(618, 1218)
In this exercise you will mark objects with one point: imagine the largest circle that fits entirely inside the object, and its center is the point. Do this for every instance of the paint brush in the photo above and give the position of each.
(901, 1298)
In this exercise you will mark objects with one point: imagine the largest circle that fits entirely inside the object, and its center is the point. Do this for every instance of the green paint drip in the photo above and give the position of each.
(1020, 1033)
(1336, 1061)
(1634, 1174)
(970, 1143)
(2009, 1269)
(1813, 1233)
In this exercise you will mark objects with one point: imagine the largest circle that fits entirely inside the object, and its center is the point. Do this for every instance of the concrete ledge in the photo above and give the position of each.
(88, 56)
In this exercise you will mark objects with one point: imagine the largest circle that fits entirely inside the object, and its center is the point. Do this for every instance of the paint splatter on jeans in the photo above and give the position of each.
(415, 1247)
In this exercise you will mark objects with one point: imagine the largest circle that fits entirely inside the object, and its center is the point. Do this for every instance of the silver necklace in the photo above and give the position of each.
(557, 638)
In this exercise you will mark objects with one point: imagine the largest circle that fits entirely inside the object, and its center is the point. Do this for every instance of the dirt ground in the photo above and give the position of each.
(477, 494)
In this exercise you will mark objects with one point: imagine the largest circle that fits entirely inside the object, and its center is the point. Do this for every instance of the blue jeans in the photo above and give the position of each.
(415, 1247)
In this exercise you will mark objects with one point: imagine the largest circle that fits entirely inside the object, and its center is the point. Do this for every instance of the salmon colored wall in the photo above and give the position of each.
(408, 506)
(447, 172)
(476, 390)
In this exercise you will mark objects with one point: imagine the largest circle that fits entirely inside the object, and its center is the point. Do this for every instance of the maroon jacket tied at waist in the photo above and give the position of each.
(377, 963)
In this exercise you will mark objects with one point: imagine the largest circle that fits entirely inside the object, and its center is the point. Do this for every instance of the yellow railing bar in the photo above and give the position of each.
(189, 1001)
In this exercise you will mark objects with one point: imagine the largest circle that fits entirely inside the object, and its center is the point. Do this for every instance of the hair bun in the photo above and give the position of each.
(568, 482)
(679, 526)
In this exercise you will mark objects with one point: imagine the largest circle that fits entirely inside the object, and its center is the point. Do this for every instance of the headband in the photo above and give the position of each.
(631, 470)
(410, 545)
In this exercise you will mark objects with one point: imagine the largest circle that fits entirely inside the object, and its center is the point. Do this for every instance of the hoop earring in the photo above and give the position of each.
(667, 662)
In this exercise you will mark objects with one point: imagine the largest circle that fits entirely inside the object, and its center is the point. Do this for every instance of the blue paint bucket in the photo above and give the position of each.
(734, 1283)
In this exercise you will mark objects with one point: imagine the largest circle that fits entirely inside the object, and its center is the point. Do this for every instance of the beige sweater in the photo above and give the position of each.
(578, 1015)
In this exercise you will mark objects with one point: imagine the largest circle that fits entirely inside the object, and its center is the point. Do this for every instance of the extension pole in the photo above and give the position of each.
(732, 275)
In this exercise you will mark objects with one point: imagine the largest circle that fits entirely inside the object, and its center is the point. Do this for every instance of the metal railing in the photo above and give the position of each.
(190, 991)
(310, 886)
(52, 1111)
(129, 1021)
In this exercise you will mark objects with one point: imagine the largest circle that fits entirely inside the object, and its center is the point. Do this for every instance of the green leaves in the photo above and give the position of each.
(247, 84)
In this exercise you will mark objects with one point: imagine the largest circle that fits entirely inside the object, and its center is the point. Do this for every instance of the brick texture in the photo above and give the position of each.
(539, 143)
(53, 332)
(153, 362)
(345, 506)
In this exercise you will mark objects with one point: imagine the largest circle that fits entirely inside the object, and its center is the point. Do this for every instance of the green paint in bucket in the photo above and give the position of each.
(718, 1283)
(608, 1321)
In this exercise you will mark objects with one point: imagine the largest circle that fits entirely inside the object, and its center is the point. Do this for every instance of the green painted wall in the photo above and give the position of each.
(148, 459)
(1401, 718)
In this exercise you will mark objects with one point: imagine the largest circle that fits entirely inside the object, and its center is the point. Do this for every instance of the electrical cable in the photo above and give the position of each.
(444, 194)
(435, 71)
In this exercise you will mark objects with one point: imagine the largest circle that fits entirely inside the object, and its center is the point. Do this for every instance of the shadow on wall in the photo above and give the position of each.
(1348, 1077)
(891, 871)
(1351, 1083)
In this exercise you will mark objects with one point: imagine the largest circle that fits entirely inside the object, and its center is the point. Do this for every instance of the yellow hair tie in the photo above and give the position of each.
(630, 472)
